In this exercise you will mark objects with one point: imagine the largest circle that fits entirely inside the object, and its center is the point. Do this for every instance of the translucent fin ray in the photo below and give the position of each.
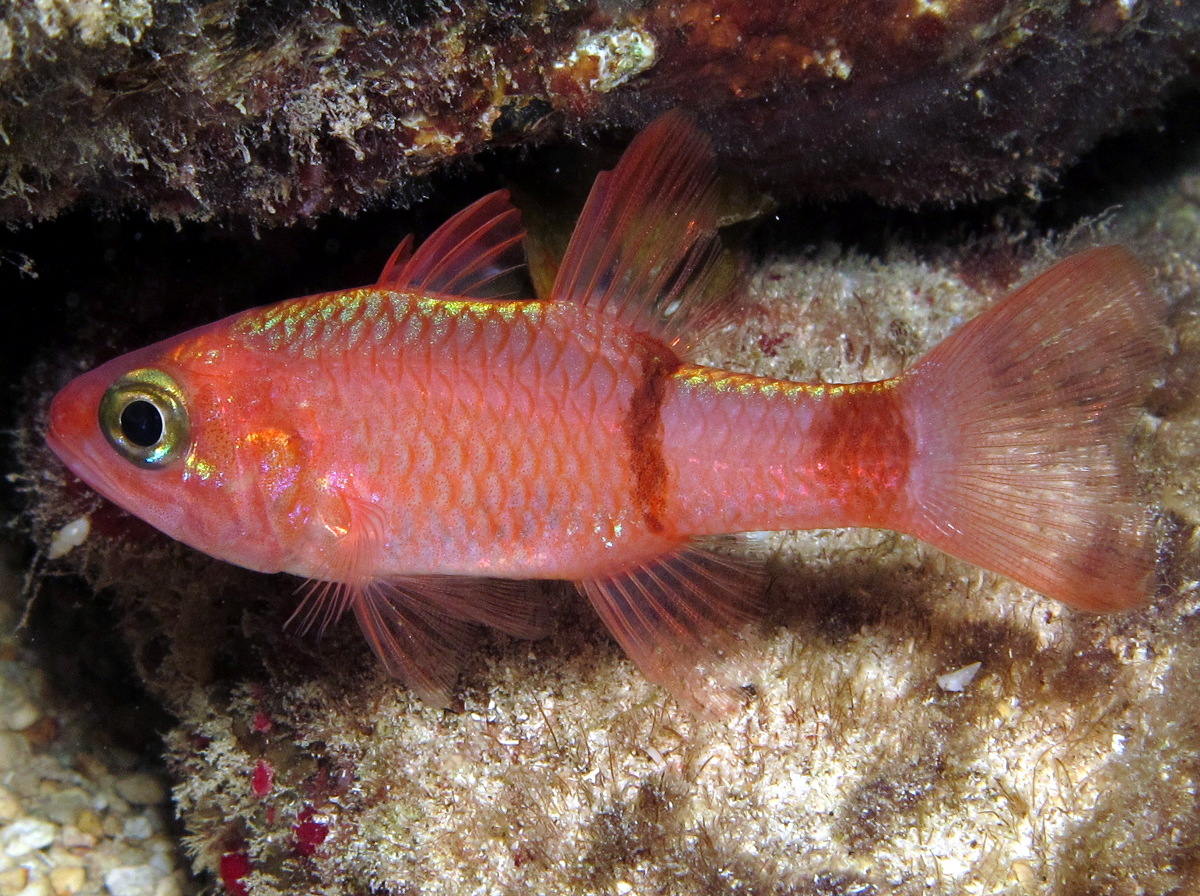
(415, 643)
(1025, 417)
(646, 248)
(508, 605)
(468, 256)
(681, 618)
(350, 568)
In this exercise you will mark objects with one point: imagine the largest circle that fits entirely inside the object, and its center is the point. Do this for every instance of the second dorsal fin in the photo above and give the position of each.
(646, 247)
(466, 256)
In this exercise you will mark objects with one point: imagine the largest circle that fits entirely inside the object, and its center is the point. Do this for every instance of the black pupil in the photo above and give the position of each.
(142, 423)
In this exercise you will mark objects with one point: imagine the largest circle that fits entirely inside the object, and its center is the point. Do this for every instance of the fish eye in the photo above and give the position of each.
(144, 418)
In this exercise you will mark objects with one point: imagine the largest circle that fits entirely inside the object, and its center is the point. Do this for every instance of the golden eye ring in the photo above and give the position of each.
(144, 418)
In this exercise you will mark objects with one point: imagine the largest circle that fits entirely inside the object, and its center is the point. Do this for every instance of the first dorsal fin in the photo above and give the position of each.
(646, 247)
(466, 256)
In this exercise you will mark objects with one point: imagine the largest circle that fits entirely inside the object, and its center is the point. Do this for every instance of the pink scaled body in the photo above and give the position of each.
(411, 446)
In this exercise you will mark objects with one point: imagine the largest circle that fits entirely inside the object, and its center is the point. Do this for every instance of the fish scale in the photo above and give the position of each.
(487, 430)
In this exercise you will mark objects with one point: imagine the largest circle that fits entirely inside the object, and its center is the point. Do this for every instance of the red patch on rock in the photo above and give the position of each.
(308, 833)
(262, 779)
(235, 867)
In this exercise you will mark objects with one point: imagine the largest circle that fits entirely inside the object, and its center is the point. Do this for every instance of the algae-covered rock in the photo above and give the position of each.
(284, 110)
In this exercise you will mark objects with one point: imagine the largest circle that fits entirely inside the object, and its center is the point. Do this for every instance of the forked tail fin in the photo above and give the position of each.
(1023, 420)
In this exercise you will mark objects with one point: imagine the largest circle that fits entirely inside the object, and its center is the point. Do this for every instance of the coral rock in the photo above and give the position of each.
(278, 111)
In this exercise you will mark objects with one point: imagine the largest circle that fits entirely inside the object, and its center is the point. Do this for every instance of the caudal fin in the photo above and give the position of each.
(1023, 419)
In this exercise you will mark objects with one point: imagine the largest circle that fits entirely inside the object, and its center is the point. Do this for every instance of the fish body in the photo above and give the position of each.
(411, 446)
(489, 438)
(521, 439)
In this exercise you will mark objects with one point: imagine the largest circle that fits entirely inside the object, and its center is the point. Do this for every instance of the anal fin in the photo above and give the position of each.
(681, 617)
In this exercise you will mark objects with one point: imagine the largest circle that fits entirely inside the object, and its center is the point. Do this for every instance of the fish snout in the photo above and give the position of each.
(72, 420)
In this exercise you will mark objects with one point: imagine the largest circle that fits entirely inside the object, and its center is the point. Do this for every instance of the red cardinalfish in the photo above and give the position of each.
(412, 445)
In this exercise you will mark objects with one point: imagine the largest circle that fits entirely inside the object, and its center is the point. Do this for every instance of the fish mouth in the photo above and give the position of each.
(73, 434)
(64, 427)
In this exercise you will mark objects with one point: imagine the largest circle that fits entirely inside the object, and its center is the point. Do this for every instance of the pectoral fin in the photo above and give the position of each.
(415, 643)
